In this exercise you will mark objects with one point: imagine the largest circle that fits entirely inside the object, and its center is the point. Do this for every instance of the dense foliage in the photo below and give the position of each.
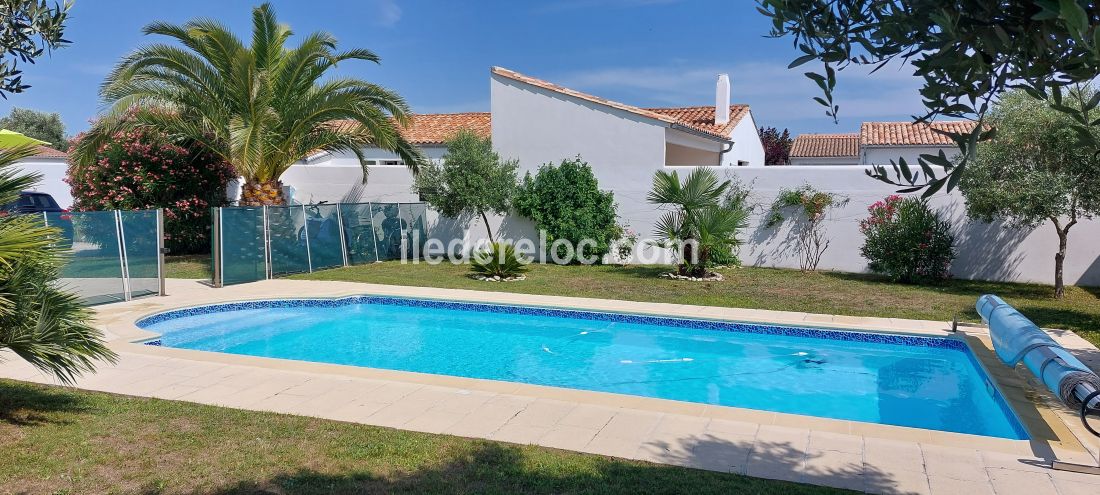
(28, 28)
(700, 224)
(141, 169)
(777, 145)
(566, 202)
(810, 206)
(473, 180)
(1035, 170)
(260, 107)
(907, 241)
(967, 52)
(39, 321)
(43, 126)
(499, 261)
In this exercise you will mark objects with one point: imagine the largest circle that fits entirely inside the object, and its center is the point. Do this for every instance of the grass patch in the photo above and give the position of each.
(760, 288)
(189, 266)
(59, 440)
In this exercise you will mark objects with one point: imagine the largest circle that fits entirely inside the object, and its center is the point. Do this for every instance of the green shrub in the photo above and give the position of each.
(498, 260)
(565, 201)
(907, 241)
(143, 170)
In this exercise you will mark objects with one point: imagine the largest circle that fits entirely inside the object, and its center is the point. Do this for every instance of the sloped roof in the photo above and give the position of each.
(825, 145)
(910, 134)
(48, 152)
(700, 119)
(437, 128)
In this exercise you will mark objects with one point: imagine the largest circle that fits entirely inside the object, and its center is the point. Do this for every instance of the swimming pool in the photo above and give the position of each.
(922, 382)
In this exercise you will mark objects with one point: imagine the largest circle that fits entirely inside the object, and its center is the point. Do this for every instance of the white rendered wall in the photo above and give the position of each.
(335, 178)
(985, 251)
(746, 144)
(809, 161)
(882, 155)
(53, 178)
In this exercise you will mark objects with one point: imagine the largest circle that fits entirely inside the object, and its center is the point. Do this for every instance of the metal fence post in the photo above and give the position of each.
(121, 235)
(216, 249)
(267, 246)
(305, 229)
(340, 227)
(160, 250)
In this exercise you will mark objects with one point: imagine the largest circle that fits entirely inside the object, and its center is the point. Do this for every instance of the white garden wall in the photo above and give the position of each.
(53, 177)
(985, 251)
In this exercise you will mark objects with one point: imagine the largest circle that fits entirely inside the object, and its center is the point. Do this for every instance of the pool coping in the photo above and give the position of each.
(1050, 436)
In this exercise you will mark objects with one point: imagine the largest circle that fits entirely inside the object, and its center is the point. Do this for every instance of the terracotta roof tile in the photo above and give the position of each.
(437, 128)
(698, 118)
(825, 145)
(702, 118)
(910, 134)
(48, 152)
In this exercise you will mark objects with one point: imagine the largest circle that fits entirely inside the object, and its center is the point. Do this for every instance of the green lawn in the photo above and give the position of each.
(759, 288)
(57, 440)
(189, 266)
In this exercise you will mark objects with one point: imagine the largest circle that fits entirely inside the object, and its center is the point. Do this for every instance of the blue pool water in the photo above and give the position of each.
(898, 380)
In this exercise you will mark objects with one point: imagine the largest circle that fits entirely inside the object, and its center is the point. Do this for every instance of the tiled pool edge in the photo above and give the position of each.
(119, 320)
(950, 342)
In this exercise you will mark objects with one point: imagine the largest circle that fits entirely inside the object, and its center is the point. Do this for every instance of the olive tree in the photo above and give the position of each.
(1034, 171)
(28, 29)
(473, 180)
(44, 126)
(967, 52)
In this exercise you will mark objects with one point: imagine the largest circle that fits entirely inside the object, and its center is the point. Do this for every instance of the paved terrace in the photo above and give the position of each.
(860, 456)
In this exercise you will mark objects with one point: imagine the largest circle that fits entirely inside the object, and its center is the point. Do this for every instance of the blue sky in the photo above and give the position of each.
(437, 54)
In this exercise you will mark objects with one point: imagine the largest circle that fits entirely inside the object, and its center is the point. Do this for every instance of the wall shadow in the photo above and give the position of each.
(988, 251)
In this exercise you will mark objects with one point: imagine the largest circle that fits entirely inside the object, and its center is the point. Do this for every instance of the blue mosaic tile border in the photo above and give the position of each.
(677, 322)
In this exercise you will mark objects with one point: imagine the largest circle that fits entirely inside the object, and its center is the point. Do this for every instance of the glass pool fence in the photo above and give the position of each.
(115, 255)
(264, 242)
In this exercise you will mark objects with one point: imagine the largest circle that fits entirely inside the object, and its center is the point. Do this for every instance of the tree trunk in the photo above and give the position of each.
(487, 229)
(1059, 261)
(266, 193)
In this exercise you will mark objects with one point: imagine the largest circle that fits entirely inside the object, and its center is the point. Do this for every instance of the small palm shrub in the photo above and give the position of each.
(907, 241)
(498, 262)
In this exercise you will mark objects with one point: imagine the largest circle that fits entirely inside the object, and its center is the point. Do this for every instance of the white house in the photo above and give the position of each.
(538, 122)
(339, 178)
(877, 143)
(51, 164)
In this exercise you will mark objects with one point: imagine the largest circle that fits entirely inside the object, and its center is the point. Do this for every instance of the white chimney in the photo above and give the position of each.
(722, 100)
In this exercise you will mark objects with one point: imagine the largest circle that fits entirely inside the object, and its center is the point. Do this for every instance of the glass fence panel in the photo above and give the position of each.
(242, 232)
(324, 236)
(418, 226)
(94, 269)
(359, 233)
(286, 229)
(139, 238)
(390, 228)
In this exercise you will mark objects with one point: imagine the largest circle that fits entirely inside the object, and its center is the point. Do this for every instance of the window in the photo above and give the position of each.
(385, 162)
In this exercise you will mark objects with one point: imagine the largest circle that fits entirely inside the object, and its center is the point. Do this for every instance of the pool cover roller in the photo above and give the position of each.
(1016, 338)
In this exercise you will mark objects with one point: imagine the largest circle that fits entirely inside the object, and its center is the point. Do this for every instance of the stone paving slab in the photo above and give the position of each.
(859, 456)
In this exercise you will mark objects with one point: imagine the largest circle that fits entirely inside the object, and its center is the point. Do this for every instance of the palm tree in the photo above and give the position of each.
(39, 322)
(697, 218)
(261, 107)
